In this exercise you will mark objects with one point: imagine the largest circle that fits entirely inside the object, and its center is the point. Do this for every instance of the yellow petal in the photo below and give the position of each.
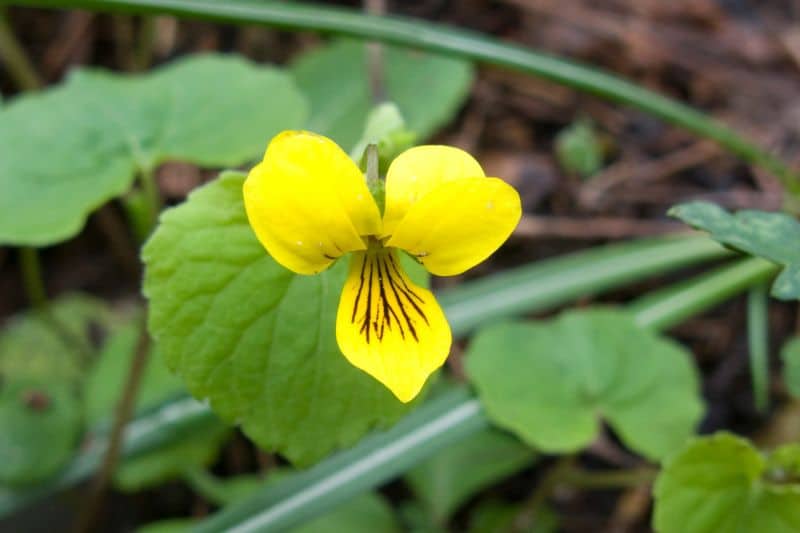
(416, 172)
(389, 327)
(308, 202)
(459, 224)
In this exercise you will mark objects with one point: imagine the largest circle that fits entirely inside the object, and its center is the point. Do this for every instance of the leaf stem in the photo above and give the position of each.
(373, 176)
(152, 197)
(375, 55)
(15, 58)
(566, 472)
(526, 517)
(143, 53)
(758, 343)
(94, 500)
(32, 281)
(206, 485)
(610, 479)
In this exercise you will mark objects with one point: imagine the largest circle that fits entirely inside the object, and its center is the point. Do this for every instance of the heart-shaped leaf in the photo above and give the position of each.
(722, 484)
(549, 382)
(773, 236)
(66, 151)
(255, 339)
(428, 89)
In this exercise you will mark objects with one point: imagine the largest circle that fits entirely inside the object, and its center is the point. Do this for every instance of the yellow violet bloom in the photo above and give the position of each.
(309, 204)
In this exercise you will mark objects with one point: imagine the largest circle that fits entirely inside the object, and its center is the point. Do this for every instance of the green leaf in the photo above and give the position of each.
(722, 484)
(498, 517)
(548, 382)
(107, 377)
(51, 346)
(790, 354)
(99, 129)
(102, 390)
(452, 476)
(172, 461)
(386, 129)
(255, 339)
(40, 424)
(173, 525)
(224, 491)
(368, 513)
(42, 356)
(334, 78)
(579, 150)
(773, 236)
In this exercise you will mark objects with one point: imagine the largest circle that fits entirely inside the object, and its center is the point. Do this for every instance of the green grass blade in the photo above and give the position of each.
(451, 41)
(670, 306)
(148, 432)
(441, 422)
(547, 284)
(758, 341)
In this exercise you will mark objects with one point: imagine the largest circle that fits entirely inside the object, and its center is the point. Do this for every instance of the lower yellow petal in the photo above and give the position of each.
(389, 327)
(459, 224)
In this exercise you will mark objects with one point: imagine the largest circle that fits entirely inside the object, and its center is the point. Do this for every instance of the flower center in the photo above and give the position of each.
(386, 299)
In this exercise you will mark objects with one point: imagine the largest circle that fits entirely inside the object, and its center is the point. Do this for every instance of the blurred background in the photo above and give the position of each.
(589, 171)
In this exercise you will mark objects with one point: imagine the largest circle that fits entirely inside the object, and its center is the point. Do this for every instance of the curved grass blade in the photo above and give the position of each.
(758, 343)
(450, 41)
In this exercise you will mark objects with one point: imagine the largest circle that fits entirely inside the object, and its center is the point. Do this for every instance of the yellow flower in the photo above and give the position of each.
(309, 204)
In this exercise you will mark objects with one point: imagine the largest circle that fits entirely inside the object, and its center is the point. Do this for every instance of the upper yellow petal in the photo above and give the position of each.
(389, 327)
(308, 202)
(459, 224)
(419, 170)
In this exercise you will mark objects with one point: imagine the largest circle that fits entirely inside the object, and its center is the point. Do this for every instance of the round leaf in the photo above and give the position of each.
(40, 424)
(721, 484)
(549, 382)
(335, 80)
(98, 129)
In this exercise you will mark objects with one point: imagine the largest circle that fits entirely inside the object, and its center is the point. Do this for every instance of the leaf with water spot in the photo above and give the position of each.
(773, 236)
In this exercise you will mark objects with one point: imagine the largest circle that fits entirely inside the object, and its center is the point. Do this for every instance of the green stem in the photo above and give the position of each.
(665, 308)
(208, 486)
(15, 59)
(373, 176)
(455, 42)
(526, 517)
(758, 340)
(609, 479)
(546, 284)
(152, 196)
(32, 281)
(93, 501)
(143, 54)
